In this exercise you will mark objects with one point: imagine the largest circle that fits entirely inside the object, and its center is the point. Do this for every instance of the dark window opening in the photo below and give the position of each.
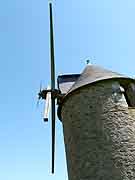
(127, 99)
(129, 93)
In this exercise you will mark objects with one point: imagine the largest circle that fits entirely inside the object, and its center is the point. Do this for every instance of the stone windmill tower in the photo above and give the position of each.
(98, 117)
(97, 110)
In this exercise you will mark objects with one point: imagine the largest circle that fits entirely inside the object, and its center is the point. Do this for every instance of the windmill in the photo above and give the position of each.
(98, 126)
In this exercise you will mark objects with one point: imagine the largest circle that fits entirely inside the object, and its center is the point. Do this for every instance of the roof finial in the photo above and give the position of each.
(87, 61)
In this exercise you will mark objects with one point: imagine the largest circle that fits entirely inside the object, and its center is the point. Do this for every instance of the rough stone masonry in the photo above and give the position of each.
(99, 133)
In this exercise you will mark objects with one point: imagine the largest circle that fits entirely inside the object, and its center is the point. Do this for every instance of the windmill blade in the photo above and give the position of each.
(47, 106)
(52, 50)
(39, 97)
(37, 104)
(52, 85)
(40, 86)
(53, 131)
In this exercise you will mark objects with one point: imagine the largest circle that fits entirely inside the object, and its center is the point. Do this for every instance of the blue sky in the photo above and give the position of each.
(102, 31)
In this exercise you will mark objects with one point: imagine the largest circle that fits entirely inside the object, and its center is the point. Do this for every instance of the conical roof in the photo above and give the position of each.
(93, 73)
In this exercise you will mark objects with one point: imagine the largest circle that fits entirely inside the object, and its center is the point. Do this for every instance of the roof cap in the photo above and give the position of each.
(94, 73)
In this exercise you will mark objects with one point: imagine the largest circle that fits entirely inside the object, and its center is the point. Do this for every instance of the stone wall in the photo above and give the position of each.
(99, 134)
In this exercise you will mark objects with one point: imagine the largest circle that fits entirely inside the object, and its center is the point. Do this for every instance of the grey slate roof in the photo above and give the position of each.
(93, 73)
